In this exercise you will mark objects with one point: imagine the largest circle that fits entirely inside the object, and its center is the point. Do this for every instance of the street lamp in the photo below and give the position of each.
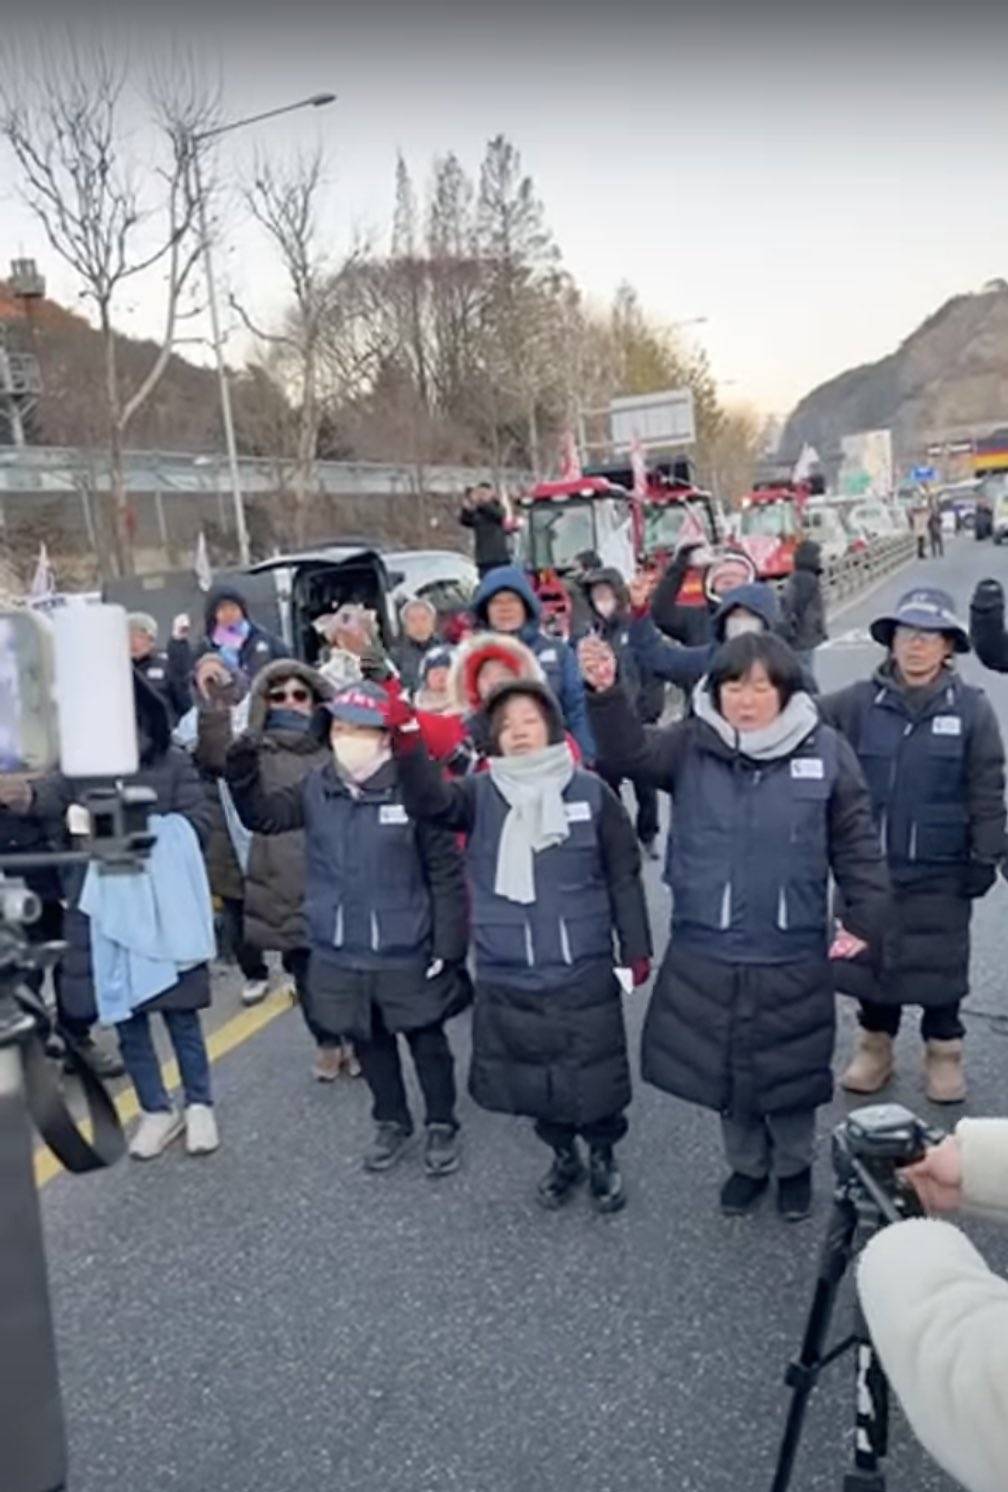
(316, 101)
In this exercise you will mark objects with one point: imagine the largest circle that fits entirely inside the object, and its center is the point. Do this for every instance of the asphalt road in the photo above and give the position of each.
(272, 1319)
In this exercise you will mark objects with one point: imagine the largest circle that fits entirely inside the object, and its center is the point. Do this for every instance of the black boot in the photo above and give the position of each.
(566, 1173)
(740, 1194)
(102, 1063)
(605, 1181)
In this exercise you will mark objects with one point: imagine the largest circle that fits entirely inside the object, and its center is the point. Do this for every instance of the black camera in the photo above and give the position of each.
(871, 1147)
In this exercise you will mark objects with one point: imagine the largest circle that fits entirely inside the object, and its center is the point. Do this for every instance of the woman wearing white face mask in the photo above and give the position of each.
(386, 912)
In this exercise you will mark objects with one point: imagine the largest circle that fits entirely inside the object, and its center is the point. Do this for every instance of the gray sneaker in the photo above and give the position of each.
(442, 1150)
(390, 1140)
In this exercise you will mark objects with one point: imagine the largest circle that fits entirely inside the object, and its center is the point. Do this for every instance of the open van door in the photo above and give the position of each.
(313, 585)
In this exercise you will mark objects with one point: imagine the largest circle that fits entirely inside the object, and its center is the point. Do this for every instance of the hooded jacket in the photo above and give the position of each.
(687, 666)
(644, 688)
(803, 623)
(259, 648)
(556, 659)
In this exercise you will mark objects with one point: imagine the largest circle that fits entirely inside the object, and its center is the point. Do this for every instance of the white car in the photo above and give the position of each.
(444, 577)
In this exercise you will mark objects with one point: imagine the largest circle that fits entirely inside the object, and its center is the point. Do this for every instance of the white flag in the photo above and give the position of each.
(806, 461)
(570, 457)
(43, 581)
(638, 466)
(201, 565)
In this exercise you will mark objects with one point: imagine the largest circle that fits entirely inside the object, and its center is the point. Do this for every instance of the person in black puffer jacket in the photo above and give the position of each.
(484, 513)
(555, 880)
(931, 750)
(419, 624)
(386, 912)
(608, 603)
(767, 803)
(230, 632)
(803, 622)
(169, 773)
(160, 670)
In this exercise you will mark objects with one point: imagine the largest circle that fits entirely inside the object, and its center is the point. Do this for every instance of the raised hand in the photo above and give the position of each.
(597, 662)
(641, 587)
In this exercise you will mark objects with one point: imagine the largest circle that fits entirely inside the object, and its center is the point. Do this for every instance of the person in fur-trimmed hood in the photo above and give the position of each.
(939, 1317)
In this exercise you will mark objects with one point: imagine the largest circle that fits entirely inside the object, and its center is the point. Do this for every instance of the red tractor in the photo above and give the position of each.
(568, 528)
(767, 527)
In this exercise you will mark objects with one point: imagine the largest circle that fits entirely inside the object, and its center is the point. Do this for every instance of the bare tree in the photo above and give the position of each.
(64, 122)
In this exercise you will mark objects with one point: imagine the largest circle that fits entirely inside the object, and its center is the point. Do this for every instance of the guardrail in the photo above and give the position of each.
(857, 572)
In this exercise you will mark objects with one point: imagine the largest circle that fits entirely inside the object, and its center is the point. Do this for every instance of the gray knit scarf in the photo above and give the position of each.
(533, 787)
(780, 738)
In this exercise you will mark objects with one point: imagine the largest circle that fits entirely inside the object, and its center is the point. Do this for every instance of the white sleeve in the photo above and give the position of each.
(939, 1321)
(983, 1144)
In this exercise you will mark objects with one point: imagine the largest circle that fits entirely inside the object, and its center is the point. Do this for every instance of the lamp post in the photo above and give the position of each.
(316, 101)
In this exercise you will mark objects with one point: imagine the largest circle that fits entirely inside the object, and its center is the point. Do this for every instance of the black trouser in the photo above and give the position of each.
(921, 547)
(49, 929)
(599, 1132)
(647, 805)
(382, 1069)
(295, 964)
(937, 547)
(938, 1022)
(249, 959)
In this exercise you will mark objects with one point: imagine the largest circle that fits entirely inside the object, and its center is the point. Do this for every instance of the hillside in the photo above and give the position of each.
(950, 376)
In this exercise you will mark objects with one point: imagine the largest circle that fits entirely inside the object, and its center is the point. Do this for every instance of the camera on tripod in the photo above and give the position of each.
(66, 701)
(870, 1148)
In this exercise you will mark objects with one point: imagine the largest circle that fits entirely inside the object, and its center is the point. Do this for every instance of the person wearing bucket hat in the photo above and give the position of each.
(387, 916)
(931, 750)
(554, 875)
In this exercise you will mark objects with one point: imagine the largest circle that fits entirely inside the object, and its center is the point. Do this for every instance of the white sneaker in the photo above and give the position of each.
(255, 991)
(155, 1133)
(201, 1129)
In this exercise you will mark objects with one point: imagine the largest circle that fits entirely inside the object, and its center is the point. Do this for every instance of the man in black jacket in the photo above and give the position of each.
(803, 615)
(484, 514)
(160, 670)
(419, 624)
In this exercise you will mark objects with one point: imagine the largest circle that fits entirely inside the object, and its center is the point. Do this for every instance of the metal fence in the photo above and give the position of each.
(859, 572)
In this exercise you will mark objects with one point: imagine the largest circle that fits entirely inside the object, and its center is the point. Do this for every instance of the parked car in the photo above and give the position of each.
(825, 524)
(444, 577)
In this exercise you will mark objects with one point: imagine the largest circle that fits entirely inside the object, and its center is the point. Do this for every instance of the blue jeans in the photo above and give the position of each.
(142, 1064)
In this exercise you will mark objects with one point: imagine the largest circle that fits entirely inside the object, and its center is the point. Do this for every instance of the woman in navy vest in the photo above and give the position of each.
(767, 803)
(554, 874)
(931, 750)
(386, 912)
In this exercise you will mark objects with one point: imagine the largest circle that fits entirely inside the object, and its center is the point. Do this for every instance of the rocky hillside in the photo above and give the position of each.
(949, 377)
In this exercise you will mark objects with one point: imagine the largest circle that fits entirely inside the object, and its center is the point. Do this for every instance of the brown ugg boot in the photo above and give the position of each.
(872, 1064)
(944, 1073)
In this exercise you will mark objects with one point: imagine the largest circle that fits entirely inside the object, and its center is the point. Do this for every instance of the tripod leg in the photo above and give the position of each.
(31, 1416)
(803, 1374)
(871, 1437)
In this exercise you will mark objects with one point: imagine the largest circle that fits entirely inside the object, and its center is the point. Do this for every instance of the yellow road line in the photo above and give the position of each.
(240, 1028)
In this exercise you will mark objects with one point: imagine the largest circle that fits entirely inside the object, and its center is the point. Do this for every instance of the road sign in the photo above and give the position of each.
(659, 420)
(923, 474)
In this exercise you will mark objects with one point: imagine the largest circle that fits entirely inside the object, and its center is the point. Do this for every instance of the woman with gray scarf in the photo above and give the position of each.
(554, 876)
(767, 803)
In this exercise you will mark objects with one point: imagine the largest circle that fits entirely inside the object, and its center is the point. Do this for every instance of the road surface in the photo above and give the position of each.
(274, 1320)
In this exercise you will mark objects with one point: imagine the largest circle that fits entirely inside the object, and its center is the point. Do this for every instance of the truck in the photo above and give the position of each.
(568, 528)
(767, 526)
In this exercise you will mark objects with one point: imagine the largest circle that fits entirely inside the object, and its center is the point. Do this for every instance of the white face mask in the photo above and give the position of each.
(737, 623)
(359, 756)
(606, 606)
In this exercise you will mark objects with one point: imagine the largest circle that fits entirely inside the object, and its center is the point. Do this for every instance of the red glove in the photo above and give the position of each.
(640, 969)
(398, 711)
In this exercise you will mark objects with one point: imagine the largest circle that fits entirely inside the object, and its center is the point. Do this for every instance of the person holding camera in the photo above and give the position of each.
(141, 944)
(554, 875)
(931, 750)
(938, 1317)
(386, 911)
(767, 803)
(484, 513)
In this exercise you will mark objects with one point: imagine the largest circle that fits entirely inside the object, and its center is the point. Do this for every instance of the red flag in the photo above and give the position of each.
(637, 466)
(570, 458)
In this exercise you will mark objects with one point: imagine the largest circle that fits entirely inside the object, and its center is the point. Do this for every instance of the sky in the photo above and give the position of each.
(813, 180)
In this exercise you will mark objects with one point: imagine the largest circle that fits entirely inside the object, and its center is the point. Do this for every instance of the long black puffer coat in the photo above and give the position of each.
(274, 887)
(171, 775)
(742, 1016)
(548, 1038)
(803, 623)
(936, 774)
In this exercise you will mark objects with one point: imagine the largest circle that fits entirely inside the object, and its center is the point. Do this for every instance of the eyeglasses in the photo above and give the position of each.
(296, 696)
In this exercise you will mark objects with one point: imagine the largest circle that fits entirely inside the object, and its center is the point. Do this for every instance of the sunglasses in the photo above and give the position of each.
(296, 696)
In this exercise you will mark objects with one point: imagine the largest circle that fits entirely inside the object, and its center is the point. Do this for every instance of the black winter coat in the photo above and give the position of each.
(803, 623)
(692, 626)
(987, 626)
(176, 784)
(408, 656)
(644, 688)
(937, 782)
(547, 1043)
(162, 671)
(490, 540)
(385, 899)
(735, 1023)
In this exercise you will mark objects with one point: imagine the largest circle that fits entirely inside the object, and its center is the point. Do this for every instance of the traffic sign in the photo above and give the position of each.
(923, 473)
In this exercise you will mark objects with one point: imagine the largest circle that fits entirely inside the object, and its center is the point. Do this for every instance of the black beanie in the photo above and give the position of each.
(530, 689)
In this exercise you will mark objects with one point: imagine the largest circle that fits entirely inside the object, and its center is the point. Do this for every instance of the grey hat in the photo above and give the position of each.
(927, 609)
(142, 621)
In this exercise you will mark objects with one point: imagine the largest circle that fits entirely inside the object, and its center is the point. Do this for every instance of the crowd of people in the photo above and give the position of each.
(398, 835)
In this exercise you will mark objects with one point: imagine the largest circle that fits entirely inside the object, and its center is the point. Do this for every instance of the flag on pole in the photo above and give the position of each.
(638, 466)
(201, 564)
(570, 458)
(43, 584)
(692, 529)
(806, 461)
